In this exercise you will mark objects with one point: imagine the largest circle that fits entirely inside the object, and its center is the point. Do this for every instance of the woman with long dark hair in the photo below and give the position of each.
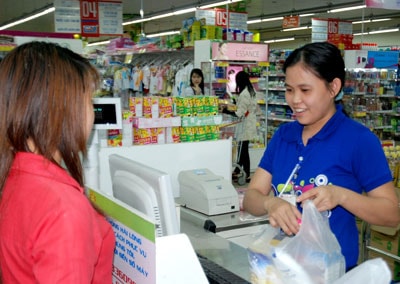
(246, 109)
(196, 83)
(49, 231)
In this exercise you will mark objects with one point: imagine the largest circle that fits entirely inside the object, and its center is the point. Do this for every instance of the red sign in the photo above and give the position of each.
(89, 18)
(291, 22)
(333, 26)
(221, 18)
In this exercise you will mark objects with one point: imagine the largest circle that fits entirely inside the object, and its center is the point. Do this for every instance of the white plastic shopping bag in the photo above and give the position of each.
(313, 256)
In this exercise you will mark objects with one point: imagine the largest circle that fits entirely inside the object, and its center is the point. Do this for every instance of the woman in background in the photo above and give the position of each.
(196, 83)
(49, 231)
(246, 108)
(326, 156)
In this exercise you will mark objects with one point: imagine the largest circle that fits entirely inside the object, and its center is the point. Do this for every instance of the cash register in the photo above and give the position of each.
(207, 193)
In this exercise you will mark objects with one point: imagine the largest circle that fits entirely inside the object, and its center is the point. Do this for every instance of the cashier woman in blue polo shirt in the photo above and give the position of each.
(338, 158)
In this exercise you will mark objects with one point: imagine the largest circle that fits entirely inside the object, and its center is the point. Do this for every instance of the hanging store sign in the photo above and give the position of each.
(90, 18)
(291, 22)
(331, 30)
(240, 51)
(222, 18)
(385, 4)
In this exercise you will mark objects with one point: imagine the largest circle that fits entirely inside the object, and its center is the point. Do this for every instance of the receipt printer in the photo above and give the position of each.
(205, 192)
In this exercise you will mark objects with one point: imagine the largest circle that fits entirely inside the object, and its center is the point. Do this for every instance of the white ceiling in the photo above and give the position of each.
(12, 9)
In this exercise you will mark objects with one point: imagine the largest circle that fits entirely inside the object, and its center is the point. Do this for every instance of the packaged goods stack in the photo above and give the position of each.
(160, 120)
(200, 118)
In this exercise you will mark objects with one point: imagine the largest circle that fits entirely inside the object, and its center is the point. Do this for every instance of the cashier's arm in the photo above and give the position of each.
(258, 193)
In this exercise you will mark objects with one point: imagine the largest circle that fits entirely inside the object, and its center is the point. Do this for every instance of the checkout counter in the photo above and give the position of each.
(210, 216)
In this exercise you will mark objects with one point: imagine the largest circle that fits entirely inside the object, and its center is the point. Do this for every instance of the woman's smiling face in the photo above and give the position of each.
(310, 98)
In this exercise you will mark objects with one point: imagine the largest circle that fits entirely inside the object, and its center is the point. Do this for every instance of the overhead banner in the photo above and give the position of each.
(240, 51)
(385, 4)
(332, 30)
(220, 17)
(90, 18)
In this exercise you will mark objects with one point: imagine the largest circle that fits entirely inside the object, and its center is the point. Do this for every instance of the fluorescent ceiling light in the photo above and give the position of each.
(384, 31)
(264, 20)
(272, 19)
(165, 15)
(307, 15)
(371, 21)
(253, 21)
(184, 11)
(161, 16)
(296, 29)
(98, 43)
(28, 18)
(218, 4)
(279, 40)
(378, 32)
(347, 9)
(163, 34)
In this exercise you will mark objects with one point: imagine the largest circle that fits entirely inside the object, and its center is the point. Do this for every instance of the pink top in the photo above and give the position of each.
(49, 232)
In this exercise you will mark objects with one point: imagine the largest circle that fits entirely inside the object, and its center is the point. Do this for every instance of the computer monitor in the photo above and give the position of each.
(147, 190)
(107, 113)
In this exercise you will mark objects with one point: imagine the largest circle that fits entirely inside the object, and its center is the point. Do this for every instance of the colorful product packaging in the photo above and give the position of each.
(187, 134)
(165, 105)
(142, 136)
(212, 132)
(172, 134)
(150, 107)
(200, 133)
(198, 105)
(114, 137)
(136, 106)
(213, 105)
(184, 106)
(158, 135)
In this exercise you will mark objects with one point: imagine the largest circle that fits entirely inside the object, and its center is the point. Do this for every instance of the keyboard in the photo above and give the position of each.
(216, 274)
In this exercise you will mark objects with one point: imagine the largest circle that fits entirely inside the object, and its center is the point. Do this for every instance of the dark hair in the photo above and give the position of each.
(323, 59)
(243, 81)
(197, 71)
(44, 95)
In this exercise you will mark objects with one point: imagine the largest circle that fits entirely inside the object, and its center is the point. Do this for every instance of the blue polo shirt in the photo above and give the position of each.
(343, 153)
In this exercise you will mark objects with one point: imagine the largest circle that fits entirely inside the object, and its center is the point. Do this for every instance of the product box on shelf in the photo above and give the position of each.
(385, 242)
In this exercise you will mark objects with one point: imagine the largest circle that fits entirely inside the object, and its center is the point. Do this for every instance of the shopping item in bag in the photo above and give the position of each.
(314, 254)
(260, 254)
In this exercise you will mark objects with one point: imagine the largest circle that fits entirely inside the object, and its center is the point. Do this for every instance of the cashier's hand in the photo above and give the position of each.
(325, 197)
(284, 215)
